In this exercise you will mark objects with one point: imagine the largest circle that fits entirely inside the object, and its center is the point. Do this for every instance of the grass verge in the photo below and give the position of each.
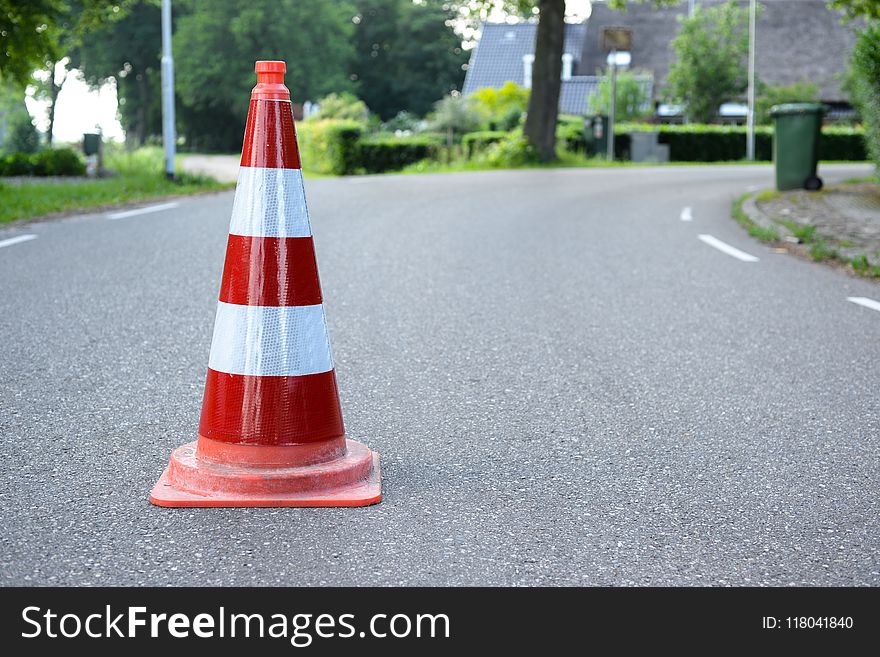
(137, 177)
(816, 248)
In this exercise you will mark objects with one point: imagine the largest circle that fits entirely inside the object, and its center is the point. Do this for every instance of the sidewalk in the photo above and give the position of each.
(223, 168)
(841, 222)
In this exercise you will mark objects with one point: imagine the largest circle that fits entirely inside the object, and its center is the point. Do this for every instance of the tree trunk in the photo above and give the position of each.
(54, 90)
(540, 127)
(144, 96)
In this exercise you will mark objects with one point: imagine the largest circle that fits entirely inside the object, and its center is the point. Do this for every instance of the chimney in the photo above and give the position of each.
(528, 60)
(567, 59)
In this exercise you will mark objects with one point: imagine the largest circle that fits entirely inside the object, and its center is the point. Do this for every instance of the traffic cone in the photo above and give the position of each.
(271, 431)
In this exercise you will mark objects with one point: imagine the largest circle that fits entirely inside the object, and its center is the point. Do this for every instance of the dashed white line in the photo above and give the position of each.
(17, 240)
(726, 248)
(686, 214)
(145, 210)
(866, 302)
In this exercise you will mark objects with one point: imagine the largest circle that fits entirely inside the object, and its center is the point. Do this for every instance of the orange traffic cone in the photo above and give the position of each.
(271, 431)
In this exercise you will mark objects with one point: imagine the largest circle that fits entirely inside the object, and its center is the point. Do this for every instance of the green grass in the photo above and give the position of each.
(767, 195)
(138, 177)
(862, 179)
(819, 249)
(804, 232)
(763, 233)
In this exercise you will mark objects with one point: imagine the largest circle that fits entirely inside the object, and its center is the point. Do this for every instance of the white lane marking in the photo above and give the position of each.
(726, 248)
(146, 210)
(17, 240)
(753, 188)
(866, 302)
(686, 214)
(270, 340)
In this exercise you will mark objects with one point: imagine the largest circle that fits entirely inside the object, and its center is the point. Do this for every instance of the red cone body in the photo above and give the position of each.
(271, 431)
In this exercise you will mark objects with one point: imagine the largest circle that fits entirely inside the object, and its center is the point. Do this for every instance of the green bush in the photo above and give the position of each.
(50, 162)
(865, 84)
(379, 154)
(570, 133)
(58, 162)
(329, 146)
(22, 136)
(477, 142)
(512, 151)
(16, 164)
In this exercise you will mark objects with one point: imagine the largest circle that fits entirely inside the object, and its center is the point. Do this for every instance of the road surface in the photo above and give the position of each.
(572, 376)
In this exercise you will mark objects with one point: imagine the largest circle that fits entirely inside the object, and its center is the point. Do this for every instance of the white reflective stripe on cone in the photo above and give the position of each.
(270, 203)
(270, 340)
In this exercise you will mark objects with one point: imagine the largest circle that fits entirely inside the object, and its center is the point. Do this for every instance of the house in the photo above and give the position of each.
(796, 41)
(506, 52)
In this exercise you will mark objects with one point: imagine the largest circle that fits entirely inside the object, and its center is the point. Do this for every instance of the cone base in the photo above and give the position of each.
(351, 480)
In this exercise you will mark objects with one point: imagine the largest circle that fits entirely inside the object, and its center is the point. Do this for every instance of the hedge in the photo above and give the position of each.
(865, 85)
(338, 147)
(50, 162)
(380, 154)
(476, 142)
(714, 143)
(329, 146)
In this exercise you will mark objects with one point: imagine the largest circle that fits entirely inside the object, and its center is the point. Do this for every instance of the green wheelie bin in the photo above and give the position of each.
(797, 128)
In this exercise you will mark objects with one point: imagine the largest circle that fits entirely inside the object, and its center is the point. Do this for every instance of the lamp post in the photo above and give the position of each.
(169, 136)
(616, 41)
(750, 119)
(612, 58)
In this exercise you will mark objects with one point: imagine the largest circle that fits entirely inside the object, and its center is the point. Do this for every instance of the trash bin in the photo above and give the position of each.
(92, 148)
(596, 135)
(796, 133)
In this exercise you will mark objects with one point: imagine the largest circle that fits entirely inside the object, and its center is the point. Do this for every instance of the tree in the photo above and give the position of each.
(454, 114)
(407, 55)
(128, 53)
(543, 109)
(41, 34)
(25, 37)
(770, 95)
(710, 68)
(869, 9)
(17, 131)
(217, 43)
(345, 106)
(633, 97)
(501, 109)
(865, 86)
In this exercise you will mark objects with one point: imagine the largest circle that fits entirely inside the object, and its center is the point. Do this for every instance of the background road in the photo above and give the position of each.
(565, 384)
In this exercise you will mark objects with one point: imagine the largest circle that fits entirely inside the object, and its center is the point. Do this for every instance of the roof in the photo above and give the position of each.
(797, 40)
(499, 53)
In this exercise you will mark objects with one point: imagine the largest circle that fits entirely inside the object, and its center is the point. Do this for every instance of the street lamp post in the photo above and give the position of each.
(169, 136)
(750, 119)
(613, 107)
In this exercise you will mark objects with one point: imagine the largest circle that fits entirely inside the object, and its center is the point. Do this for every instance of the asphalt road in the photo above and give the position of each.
(565, 384)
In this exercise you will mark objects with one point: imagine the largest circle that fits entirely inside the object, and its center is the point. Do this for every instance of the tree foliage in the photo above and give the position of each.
(217, 43)
(633, 97)
(501, 109)
(770, 95)
(345, 106)
(869, 9)
(710, 67)
(865, 86)
(407, 55)
(454, 114)
(127, 52)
